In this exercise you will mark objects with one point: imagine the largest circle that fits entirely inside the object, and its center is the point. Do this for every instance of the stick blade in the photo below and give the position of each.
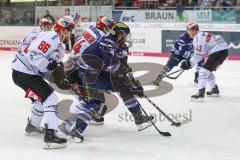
(181, 123)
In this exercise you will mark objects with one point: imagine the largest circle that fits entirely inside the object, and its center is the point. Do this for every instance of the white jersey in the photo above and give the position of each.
(88, 37)
(71, 18)
(206, 43)
(45, 48)
(24, 44)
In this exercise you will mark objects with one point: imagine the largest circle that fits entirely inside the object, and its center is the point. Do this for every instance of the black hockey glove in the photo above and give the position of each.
(137, 89)
(186, 65)
(52, 64)
(59, 77)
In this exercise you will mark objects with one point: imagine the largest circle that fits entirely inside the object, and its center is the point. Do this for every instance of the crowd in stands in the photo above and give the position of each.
(163, 4)
(15, 14)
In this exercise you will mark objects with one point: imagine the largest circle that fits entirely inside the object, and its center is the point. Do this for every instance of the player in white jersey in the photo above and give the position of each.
(213, 46)
(44, 56)
(44, 25)
(69, 44)
(88, 37)
(91, 34)
(33, 125)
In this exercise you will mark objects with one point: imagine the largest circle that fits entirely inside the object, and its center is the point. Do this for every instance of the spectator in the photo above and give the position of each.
(209, 4)
(218, 5)
(205, 3)
(8, 20)
(72, 37)
(79, 2)
(238, 11)
(48, 16)
(29, 18)
(200, 4)
(180, 10)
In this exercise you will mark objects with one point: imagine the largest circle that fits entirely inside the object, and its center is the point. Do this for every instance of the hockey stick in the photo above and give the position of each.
(177, 124)
(166, 134)
(180, 72)
(156, 82)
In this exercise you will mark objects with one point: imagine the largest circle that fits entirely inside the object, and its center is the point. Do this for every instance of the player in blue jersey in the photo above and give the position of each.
(182, 50)
(103, 66)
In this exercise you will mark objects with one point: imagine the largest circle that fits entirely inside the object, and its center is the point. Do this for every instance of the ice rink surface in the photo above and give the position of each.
(213, 134)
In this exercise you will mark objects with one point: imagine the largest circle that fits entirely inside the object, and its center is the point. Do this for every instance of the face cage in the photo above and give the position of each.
(46, 27)
(124, 37)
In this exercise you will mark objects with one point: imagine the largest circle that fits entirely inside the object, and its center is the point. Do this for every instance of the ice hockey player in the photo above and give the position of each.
(89, 36)
(104, 67)
(182, 50)
(44, 25)
(43, 57)
(33, 125)
(69, 16)
(213, 46)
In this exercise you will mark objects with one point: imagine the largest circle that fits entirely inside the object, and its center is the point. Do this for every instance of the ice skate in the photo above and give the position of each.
(142, 122)
(32, 130)
(158, 80)
(161, 75)
(52, 141)
(199, 97)
(214, 92)
(69, 129)
(97, 118)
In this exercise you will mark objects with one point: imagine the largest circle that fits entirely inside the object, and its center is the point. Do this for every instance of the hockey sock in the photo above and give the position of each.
(81, 125)
(50, 116)
(132, 105)
(211, 80)
(36, 114)
(203, 77)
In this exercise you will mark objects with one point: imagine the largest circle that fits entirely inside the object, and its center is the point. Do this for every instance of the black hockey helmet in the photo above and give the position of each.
(120, 30)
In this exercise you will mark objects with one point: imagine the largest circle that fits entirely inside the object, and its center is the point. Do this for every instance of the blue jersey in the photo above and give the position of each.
(103, 49)
(183, 46)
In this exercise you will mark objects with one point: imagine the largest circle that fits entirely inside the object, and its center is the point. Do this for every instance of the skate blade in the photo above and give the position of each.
(33, 134)
(49, 146)
(96, 123)
(145, 125)
(214, 95)
(74, 139)
(197, 100)
(78, 140)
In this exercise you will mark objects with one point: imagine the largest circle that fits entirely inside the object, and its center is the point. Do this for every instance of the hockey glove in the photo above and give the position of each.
(137, 89)
(59, 76)
(186, 65)
(52, 64)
